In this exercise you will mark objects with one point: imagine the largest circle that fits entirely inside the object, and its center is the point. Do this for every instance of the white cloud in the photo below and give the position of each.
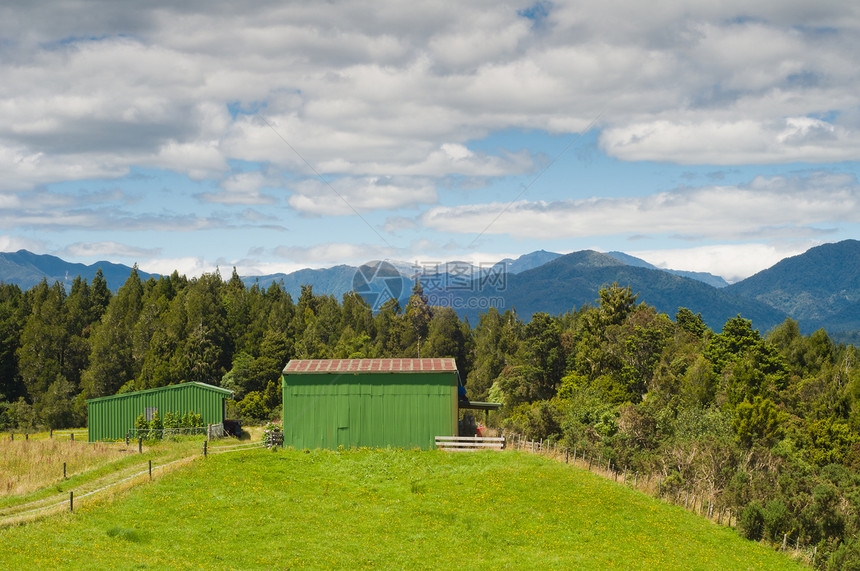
(190, 266)
(748, 141)
(15, 243)
(345, 196)
(760, 209)
(390, 102)
(335, 252)
(733, 262)
(96, 251)
(375, 89)
(242, 188)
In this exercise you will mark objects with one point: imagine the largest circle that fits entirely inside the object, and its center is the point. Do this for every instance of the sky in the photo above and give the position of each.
(272, 136)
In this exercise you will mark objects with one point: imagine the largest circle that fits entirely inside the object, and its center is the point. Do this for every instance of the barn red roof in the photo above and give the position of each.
(370, 365)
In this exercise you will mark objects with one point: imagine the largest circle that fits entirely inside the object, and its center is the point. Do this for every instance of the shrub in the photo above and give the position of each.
(273, 434)
(752, 521)
(846, 556)
(253, 406)
(776, 520)
(155, 423)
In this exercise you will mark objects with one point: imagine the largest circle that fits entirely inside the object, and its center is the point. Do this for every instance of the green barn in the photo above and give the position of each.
(402, 403)
(110, 418)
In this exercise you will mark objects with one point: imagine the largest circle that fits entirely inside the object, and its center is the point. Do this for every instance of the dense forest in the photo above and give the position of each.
(766, 425)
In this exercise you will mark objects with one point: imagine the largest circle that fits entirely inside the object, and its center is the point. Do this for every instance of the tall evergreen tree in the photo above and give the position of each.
(13, 314)
(112, 362)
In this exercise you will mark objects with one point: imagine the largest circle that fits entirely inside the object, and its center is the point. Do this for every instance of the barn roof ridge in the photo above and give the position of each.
(382, 365)
(204, 386)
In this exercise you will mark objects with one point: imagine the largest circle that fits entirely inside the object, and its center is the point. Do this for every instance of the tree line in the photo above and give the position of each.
(766, 425)
(59, 348)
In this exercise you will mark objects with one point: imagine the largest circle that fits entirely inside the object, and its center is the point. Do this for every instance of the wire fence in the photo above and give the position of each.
(31, 510)
(74, 435)
(167, 433)
(699, 502)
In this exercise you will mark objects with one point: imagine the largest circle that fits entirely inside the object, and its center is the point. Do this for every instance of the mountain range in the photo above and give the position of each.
(26, 269)
(819, 288)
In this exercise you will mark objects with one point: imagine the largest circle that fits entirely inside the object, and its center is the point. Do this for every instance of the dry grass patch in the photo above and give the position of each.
(29, 465)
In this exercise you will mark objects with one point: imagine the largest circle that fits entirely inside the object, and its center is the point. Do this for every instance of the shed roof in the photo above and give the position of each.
(225, 392)
(312, 366)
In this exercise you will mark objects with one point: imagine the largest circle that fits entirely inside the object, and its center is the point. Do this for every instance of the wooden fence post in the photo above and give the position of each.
(51, 433)
(71, 501)
(205, 453)
(64, 470)
(140, 445)
(150, 469)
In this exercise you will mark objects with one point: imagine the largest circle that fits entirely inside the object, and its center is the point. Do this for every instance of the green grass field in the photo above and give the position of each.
(380, 509)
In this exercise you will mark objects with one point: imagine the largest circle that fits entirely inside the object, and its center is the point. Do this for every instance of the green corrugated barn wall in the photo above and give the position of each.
(110, 418)
(373, 409)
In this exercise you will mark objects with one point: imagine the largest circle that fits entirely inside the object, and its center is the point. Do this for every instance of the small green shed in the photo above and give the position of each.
(402, 403)
(110, 418)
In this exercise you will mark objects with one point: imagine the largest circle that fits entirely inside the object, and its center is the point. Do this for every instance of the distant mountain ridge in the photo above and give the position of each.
(27, 269)
(339, 280)
(709, 279)
(573, 280)
(819, 288)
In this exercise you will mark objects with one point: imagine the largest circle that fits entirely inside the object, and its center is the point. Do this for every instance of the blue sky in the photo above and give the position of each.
(716, 137)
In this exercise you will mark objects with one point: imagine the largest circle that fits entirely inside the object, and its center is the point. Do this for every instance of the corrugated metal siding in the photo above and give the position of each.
(404, 410)
(111, 417)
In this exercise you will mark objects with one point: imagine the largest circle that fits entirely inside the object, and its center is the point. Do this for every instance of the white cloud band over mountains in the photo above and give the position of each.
(274, 113)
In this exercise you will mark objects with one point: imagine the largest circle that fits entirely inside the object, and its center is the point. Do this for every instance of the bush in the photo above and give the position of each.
(752, 521)
(846, 556)
(776, 520)
(253, 406)
(155, 423)
(536, 421)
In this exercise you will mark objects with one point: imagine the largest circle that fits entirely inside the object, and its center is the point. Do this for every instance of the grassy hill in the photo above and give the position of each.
(381, 509)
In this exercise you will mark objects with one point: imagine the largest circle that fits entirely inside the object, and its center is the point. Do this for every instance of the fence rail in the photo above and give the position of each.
(469, 443)
(165, 433)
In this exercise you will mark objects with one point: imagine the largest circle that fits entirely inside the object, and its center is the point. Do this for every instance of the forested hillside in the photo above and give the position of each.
(767, 425)
(819, 288)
